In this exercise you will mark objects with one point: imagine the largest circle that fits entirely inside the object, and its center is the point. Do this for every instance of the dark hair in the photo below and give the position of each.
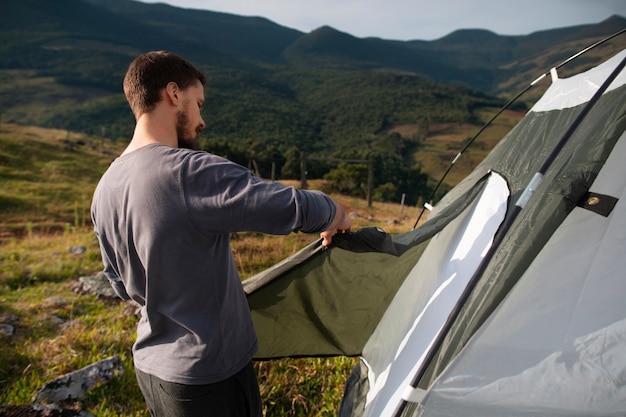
(149, 73)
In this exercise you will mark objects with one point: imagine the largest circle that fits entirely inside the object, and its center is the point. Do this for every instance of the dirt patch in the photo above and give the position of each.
(407, 131)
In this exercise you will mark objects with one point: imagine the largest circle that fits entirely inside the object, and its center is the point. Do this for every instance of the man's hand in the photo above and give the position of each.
(341, 224)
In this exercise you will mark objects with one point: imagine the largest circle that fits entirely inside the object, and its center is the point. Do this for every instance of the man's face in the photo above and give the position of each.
(189, 122)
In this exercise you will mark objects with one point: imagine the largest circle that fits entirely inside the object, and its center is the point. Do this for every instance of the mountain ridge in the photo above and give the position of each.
(229, 39)
(69, 57)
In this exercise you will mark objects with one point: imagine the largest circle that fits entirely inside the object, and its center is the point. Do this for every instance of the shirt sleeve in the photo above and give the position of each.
(224, 197)
(314, 205)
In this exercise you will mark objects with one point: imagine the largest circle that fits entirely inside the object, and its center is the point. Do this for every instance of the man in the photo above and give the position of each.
(163, 213)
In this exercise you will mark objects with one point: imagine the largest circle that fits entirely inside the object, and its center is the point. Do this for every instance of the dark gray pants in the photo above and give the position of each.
(237, 396)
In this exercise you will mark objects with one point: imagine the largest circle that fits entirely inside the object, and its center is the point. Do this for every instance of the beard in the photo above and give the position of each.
(186, 138)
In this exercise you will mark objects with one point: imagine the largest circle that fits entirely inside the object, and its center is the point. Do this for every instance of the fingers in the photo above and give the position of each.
(327, 235)
(341, 224)
(326, 239)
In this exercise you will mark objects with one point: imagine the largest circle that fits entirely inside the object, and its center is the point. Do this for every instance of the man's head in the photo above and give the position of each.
(154, 75)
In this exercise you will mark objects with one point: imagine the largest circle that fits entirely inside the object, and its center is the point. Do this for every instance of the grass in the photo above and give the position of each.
(445, 141)
(47, 178)
(45, 189)
(59, 330)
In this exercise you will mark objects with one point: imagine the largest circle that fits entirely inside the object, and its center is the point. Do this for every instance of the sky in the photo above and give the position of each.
(417, 19)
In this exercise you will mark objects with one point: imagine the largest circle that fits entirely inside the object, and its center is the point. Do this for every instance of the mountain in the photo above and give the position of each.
(476, 58)
(227, 38)
(36, 29)
(273, 89)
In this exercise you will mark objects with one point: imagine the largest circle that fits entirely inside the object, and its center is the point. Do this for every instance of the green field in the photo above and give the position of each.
(47, 178)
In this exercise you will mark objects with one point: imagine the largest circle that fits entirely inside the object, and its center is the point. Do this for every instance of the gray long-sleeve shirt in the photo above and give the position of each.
(163, 217)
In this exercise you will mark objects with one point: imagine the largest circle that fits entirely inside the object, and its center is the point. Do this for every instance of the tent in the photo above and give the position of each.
(509, 300)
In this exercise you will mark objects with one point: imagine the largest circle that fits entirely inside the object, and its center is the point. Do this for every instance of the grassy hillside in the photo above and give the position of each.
(274, 93)
(68, 59)
(445, 140)
(47, 178)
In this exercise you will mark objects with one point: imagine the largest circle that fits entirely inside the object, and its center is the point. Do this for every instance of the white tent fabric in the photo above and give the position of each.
(573, 91)
(420, 307)
(557, 344)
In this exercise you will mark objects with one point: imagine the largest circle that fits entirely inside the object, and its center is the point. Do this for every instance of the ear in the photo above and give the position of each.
(172, 93)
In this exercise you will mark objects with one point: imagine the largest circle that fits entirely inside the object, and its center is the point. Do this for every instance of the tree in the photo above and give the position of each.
(291, 168)
(349, 179)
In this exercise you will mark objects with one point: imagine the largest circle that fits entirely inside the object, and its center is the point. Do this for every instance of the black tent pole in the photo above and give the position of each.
(503, 230)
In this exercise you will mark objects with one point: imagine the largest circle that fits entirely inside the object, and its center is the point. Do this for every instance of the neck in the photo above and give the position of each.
(152, 128)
